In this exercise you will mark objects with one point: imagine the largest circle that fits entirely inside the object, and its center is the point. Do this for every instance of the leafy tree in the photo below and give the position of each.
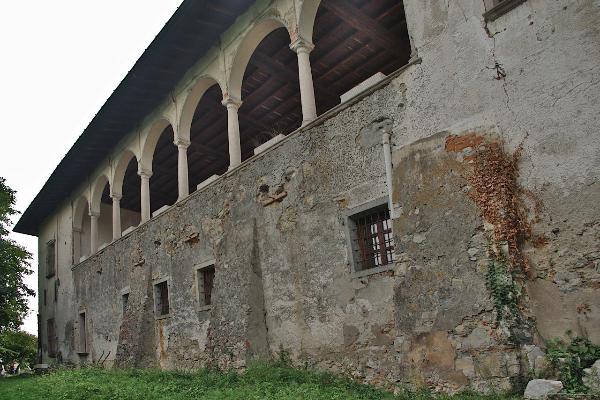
(18, 346)
(14, 266)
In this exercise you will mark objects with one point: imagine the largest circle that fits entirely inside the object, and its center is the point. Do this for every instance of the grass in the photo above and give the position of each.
(259, 382)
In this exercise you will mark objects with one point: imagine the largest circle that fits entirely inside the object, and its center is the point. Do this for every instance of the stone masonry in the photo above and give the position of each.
(527, 81)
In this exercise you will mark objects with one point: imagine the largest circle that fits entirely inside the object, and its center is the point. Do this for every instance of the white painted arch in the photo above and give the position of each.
(96, 193)
(270, 22)
(119, 169)
(81, 210)
(149, 141)
(306, 19)
(190, 104)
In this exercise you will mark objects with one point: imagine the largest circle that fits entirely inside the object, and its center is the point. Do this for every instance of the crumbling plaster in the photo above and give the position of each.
(282, 276)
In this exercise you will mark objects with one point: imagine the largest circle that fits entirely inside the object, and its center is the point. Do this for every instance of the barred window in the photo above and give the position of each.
(372, 241)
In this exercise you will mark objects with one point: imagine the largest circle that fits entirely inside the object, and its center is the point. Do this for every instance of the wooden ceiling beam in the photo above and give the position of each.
(362, 22)
(203, 149)
(281, 72)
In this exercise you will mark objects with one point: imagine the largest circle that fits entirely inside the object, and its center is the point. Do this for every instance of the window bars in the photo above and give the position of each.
(373, 239)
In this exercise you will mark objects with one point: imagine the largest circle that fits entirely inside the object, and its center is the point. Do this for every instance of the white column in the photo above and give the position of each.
(233, 131)
(94, 231)
(307, 91)
(182, 168)
(145, 195)
(116, 215)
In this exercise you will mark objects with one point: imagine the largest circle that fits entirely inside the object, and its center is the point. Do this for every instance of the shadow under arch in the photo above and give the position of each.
(81, 229)
(246, 48)
(126, 183)
(190, 105)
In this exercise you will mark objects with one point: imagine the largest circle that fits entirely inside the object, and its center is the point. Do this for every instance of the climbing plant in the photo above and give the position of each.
(501, 284)
(570, 359)
(499, 197)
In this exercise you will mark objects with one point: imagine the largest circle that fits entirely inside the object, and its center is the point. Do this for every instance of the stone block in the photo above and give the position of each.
(268, 144)
(160, 210)
(364, 85)
(479, 338)
(539, 389)
(129, 230)
(351, 334)
(591, 377)
(466, 365)
(207, 182)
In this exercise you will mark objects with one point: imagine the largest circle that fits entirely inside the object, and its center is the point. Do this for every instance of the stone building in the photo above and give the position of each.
(406, 191)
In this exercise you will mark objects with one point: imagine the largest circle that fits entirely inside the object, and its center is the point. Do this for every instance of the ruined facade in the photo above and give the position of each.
(482, 229)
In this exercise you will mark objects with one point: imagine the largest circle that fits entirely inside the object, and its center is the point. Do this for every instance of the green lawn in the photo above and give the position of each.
(259, 382)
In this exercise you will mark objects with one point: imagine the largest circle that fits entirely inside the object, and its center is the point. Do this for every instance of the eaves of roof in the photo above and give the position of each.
(192, 30)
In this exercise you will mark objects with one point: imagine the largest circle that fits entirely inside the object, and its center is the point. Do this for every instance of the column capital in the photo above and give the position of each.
(229, 102)
(182, 143)
(144, 173)
(302, 46)
(116, 196)
(94, 214)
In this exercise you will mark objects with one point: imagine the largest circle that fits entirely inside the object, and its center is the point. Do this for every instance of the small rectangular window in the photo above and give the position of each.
(161, 298)
(82, 333)
(205, 280)
(56, 290)
(50, 258)
(51, 337)
(125, 301)
(371, 238)
(45, 297)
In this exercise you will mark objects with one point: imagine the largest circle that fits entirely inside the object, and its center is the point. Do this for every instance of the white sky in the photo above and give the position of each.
(59, 62)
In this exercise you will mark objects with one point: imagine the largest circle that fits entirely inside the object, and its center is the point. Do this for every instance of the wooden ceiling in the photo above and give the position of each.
(354, 39)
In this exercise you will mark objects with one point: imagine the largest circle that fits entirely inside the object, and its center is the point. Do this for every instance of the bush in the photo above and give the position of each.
(570, 359)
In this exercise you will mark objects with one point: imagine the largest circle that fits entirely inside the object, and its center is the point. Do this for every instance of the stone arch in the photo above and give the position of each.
(81, 210)
(246, 48)
(81, 229)
(119, 171)
(96, 193)
(150, 141)
(191, 102)
(306, 19)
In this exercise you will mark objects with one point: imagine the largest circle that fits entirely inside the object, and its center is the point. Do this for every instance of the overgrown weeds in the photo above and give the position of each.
(260, 381)
(570, 359)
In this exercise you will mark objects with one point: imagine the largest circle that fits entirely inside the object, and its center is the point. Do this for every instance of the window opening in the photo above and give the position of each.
(161, 298)
(82, 333)
(51, 333)
(50, 258)
(125, 301)
(205, 279)
(372, 238)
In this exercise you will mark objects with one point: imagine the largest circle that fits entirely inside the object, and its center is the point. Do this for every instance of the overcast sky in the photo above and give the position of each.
(60, 61)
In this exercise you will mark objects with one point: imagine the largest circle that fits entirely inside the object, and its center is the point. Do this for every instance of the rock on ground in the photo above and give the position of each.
(591, 376)
(541, 388)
